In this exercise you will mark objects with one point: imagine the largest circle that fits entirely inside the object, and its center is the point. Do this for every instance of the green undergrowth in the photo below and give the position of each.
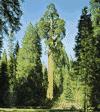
(36, 110)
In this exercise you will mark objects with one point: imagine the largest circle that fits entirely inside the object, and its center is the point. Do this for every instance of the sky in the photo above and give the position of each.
(69, 10)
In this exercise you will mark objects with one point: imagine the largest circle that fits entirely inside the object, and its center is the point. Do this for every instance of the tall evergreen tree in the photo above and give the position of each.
(67, 92)
(11, 69)
(52, 29)
(4, 81)
(84, 50)
(95, 12)
(29, 69)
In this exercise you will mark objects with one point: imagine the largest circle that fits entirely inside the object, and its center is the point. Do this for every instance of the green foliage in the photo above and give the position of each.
(10, 14)
(67, 73)
(45, 80)
(24, 81)
(51, 27)
(11, 69)
(4, 81)
(95, 12)
(29, 70)
(84, 50)
(16, 50)
(65, 82)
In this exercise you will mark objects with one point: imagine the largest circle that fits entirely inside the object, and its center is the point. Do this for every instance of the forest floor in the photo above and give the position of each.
(34, 110)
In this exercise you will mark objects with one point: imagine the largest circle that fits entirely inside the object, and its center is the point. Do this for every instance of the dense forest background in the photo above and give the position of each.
(65, 83)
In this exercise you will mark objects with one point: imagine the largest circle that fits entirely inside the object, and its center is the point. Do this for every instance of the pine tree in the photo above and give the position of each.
(51, 28)
(84, 50)
(29, 69)
(11, 69)
(4, 81)
(95, 12)
(68, 79)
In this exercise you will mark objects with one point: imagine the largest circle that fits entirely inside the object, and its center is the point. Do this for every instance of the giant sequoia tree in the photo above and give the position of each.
(52, 29)
(95, 12)
(84, 50)
(29, 69)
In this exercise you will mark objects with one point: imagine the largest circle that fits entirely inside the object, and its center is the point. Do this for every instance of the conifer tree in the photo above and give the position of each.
(84, 50)
(11, 69)
(95, 12)
(68, 77)
(4, 81)
(29, 69)
(52, 29)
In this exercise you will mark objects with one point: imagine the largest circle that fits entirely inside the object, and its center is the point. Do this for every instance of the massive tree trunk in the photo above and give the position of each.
(50, 76)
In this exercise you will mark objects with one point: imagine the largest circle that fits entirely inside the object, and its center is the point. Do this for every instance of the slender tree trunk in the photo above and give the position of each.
(50, 76)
